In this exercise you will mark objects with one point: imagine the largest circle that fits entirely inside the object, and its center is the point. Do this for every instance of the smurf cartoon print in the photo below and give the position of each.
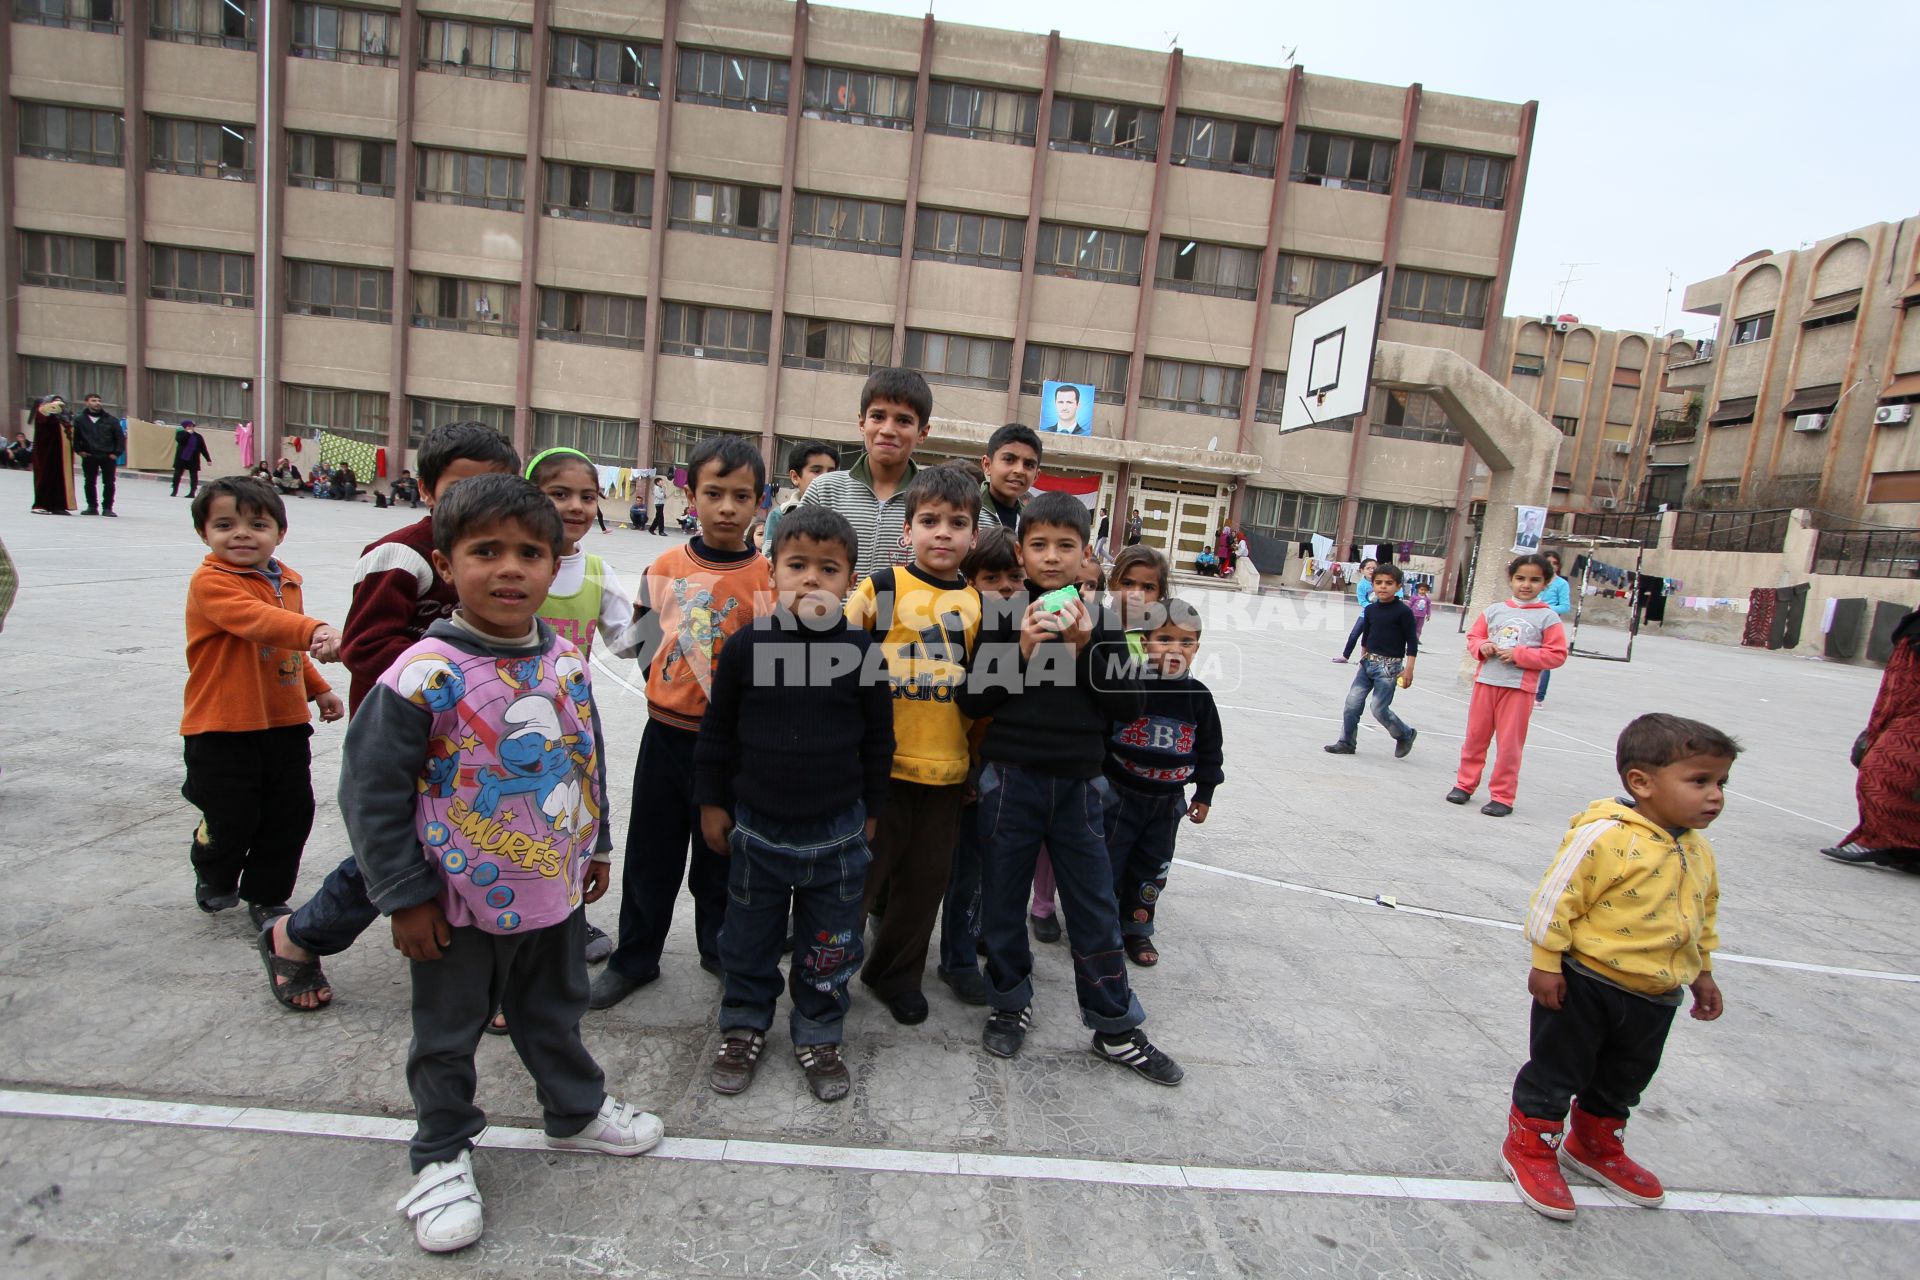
(509, 793)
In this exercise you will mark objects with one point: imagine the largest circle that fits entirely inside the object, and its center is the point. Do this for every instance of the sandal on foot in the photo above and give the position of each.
(497, 1024)
(289, 978)
(444, 1204)
(1141, 951)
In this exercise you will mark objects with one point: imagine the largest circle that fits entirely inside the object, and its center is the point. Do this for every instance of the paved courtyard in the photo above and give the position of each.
(1347, 1060)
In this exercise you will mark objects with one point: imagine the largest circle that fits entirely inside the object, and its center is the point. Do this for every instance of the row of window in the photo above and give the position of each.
(1295, 517)
(608, 64)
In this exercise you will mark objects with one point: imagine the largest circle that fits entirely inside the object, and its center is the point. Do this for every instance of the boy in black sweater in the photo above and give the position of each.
(1389, 642)
(791, 765)
(1150, 761)
(1053, 677)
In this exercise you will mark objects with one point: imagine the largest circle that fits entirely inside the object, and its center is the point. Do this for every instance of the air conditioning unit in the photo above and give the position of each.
(1810, 422)
(1605, 504)
(1622, 446)
(1561, 326)
(1892, 415)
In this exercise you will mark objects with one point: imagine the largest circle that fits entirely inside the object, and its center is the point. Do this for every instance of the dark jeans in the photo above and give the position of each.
(1141, 829)
(819, 869)
(1378, 678)
(328, 922)
(912, 851)
(1540, 690)
(101, 467)
(663, 825)
(1020, 809)
(659, 524)
(960, 909)
(538, 980)
(1602, 1043)
(254, 791)
(192, 472)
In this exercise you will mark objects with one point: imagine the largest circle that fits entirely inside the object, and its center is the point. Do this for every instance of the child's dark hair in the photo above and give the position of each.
(548, 463)
(806, 451)
(249, 495)
(1423, 586)
(449, 442)
(731, 452)
(903, 385)
(1535, 559)
(993, 552)
(943, 484)
(822, 524)
(1014, 433)
(1173, 612)
(480, 501)
(1137, 555)
(1658, 739)
(1392, 570)
(1061, 509)
(1099, 582)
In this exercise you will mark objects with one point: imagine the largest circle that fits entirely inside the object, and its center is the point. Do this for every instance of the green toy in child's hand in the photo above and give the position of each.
(1056, 600)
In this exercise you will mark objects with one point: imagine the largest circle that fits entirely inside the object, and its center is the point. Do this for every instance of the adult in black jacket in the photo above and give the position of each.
(189, 451)
(99, 439)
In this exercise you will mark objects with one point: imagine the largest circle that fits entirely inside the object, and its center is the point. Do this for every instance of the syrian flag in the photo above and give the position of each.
(1085, 488)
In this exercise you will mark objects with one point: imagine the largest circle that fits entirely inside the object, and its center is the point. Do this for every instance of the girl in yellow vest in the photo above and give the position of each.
(586, 597)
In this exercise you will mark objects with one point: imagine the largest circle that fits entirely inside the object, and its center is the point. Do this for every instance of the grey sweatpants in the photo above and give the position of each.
(539, 981)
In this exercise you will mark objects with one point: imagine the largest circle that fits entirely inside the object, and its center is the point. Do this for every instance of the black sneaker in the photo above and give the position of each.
(1133, 1049)
(613, 986)
(1046, 928)
(1405, 744)
(110, 512)
(1338, 748)
(712, 966)
(733, 1066)
(599, 945)
(967, 985)
(1494, 809)
(909, 1008)
(91, 511)
(1459, 795)
(1006, 1031)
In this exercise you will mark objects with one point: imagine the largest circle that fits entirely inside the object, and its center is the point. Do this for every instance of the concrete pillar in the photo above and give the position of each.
(1517, 444)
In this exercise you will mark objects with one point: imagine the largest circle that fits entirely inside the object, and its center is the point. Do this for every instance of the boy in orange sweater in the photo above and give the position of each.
(246, 724)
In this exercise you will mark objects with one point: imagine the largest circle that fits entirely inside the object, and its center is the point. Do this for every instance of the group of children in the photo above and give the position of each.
(839, 728)
(1517, 642)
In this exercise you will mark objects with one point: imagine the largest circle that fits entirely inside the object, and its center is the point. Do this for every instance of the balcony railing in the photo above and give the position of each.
(1644, 529)
(1761, 531)
(1868, 553)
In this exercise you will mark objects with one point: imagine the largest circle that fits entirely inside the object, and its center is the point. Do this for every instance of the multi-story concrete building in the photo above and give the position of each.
(1806, 397)
(1606, 390)
(625, 226)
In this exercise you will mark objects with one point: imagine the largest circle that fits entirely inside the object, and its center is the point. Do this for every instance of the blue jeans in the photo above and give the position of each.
(960, 910)
(1540, 690)
(1378, 677)
(1020, 809)
(819, 870)
(1141, 829)
(328, 922)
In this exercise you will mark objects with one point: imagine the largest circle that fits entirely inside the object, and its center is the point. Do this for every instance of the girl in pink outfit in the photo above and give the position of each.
(1515, 640)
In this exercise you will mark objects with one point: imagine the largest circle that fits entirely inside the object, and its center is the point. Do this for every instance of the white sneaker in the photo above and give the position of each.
(619, 1130)
(445, 1206)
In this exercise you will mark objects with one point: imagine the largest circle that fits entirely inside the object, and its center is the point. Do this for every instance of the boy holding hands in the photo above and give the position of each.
(246, 726)
(789, 772)
(1053, 678)
(1623, 922)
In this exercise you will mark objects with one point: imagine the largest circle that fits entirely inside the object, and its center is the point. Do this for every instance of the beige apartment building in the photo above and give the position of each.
(626, 226)
(1807, 395)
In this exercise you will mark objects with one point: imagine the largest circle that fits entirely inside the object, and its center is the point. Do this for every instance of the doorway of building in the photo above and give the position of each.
(1179, 517)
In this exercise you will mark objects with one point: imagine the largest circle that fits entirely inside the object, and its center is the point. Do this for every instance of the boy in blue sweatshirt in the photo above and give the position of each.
(1390, 641)
(1053, 676)
(1150, 761)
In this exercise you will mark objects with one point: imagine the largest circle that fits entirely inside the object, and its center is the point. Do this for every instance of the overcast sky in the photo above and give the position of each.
(1672, 138)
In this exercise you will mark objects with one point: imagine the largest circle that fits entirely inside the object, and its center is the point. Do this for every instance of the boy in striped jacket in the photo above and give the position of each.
(1623, 921)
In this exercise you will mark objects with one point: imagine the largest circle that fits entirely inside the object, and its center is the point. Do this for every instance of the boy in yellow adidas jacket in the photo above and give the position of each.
(1624, 919)
(925, 618)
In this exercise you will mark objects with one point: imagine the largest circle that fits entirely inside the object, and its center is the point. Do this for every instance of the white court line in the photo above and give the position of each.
(1371, 728)
(1435, 913)
(61, 1106)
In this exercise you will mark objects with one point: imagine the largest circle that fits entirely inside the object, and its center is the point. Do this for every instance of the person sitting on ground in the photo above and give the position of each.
(406, 489)
(1623, 922)
(1887, 753)
(287, 478)
(478, 925)
(19, 455)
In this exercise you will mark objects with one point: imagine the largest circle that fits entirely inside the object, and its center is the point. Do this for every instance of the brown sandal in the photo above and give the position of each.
(1141, 951)
(289, 978)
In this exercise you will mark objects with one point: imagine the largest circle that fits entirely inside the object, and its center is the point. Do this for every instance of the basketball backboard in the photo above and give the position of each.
(1331, 359)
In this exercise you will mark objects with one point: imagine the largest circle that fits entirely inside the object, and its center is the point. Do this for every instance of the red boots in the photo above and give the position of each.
(1595, 1148)
(1531, 1158)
